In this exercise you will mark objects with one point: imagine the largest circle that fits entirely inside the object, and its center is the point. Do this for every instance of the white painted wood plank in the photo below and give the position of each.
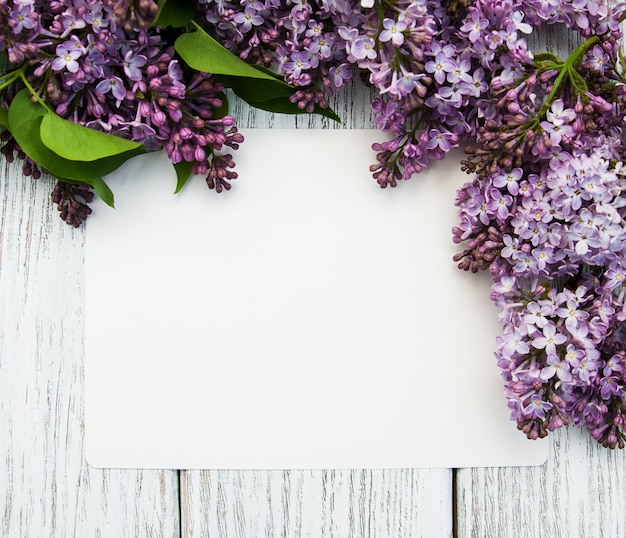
(404, 503)
(46, 488)
(579, 492)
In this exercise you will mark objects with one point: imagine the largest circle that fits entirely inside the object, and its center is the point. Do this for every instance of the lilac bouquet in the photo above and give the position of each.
(544, 212)
(92, 83)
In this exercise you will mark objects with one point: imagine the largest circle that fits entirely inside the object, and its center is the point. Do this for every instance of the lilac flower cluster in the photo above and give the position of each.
(100, 64)
(301, 41)
(431, 62)
(546, 214)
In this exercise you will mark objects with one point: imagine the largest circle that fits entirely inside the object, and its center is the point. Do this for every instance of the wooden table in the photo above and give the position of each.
(48, 490)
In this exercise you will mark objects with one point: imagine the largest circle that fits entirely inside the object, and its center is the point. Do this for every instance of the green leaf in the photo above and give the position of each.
(4, 118)
(268, 71)
(328, 113)
(203, 53)
(103, 191)
(578, 82)
(175, 13)
(251, 90)
(78, 143)
(221, 111)
(546, 57)
(183, 173)
(256, 85)
(25, 118)
(284, 106)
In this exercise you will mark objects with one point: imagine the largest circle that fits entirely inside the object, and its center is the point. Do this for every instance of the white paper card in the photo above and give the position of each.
(305, 319)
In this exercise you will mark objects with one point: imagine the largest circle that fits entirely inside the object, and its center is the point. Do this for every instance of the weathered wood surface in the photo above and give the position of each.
(47, 489)
(579, 493)
(352, 504)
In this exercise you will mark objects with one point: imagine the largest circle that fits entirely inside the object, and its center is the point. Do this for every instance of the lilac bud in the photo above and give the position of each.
(159, 118)
(514, 107)
(578, 107)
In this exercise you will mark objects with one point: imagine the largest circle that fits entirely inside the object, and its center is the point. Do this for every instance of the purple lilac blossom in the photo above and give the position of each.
(544, 212)
(557, 253)
(102, 65)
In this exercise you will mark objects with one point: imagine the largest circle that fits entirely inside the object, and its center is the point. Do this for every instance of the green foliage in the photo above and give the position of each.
(4, 118)
(258, 86)
(103, 191)
(546, 57)
(222, 111)
(183, 173)
(283, 106)
(203, 53)
(77, 143)
(75, 154)
(176, 13)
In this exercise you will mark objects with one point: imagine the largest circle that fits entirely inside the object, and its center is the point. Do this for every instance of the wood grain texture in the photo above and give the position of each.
(46, 487)
(579, 493)
(403, 503)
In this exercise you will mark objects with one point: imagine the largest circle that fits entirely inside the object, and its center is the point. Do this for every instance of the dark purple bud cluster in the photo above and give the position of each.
(72, 200)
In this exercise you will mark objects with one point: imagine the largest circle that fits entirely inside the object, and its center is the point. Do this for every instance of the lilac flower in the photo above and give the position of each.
(584, 366)
(558, 367)
(475, 26)
(610, 386)
(247, 19)
(513, 341)
(440, 66)
(441, 140)
(340, 74)
(537, 407)
(314, 30)
(132, 63)
(549, 339)
(510, 180)
(66, 58)
(598, 59)
(363, 48)
(95, 19)
(536, 315)
(393, 31)
(113, 84)
(22, 18)
(408, 83)
(499, 203)
(298, 62)
(571, 314)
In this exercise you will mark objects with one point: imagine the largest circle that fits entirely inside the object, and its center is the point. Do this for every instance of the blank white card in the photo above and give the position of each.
(305, 319)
